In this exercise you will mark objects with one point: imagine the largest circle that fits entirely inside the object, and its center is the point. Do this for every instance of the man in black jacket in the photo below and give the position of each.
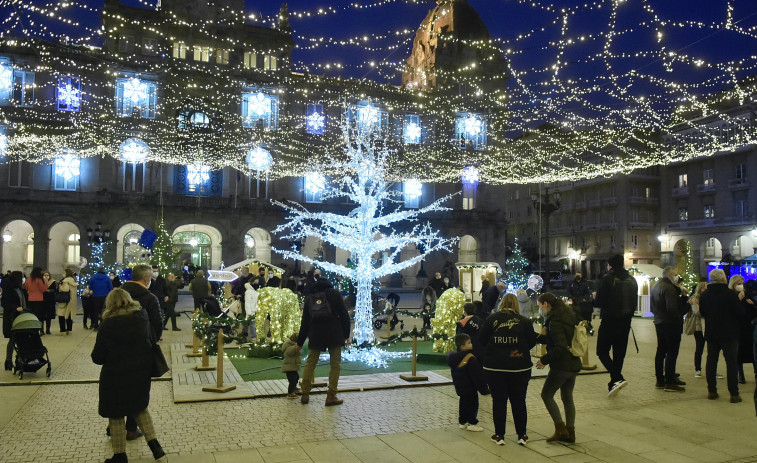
(721, 309)
(617, 297)
(158, 288)
(669, 304)
(330, 333)
(491, 298)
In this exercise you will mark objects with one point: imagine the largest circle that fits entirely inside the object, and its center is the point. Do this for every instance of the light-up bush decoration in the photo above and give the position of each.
(134, 151)
(283, 306)
(449, 310)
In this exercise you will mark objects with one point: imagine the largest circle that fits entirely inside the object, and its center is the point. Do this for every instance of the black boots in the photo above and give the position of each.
(117, 458)
(157, 450)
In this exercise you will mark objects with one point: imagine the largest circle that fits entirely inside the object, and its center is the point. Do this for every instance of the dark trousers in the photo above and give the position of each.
(65, 324)
(698, 350)
(668, 343)
(292, 377)
(468, 410)
(565, 381)
(38, 309)
(730, 350)
(170, 312)
(506, 386)
(613, 334)
(96, 310)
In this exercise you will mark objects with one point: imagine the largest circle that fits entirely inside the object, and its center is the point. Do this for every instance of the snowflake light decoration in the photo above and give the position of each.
(315, 182)
(198, 174)
(259, 105)
(413, 188)
(412, 133)
(69, 97)
(367, 116)
(315, 123)
(3, 144)
(259, 159)
(135, 91)
(67, 166)
(470, 175)
(6, 78)
(134, 151)
(472, 126)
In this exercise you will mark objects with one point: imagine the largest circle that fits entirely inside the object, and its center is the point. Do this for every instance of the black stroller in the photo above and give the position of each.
(383, 309)
(31, 354)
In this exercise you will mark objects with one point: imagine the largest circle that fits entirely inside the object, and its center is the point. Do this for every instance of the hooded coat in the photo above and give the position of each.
(328, 333)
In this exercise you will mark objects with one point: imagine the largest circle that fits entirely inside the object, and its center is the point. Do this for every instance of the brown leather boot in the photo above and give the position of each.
(332, 399)
(571, 435)
(561, 433)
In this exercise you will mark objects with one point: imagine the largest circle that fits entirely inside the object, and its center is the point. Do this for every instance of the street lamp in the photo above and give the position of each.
(545, 205)
(7, 235)
(98, 235)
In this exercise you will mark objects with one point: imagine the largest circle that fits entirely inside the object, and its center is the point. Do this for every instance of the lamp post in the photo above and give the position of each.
(97, 238)
(98, 235)
(545, 206)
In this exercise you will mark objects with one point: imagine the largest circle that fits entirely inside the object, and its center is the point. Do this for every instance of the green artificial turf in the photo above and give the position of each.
(257, 369)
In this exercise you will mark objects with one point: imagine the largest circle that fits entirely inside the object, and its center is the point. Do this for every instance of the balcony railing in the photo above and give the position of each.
(680, 191)
(580, 205)
(611, 201)
(738, 183)
(706, 188)
(642, 225)
(595, 203)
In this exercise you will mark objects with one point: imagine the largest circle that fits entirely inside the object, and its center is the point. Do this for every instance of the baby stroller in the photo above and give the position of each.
(212, 307)
(383, 308)
(31, 355)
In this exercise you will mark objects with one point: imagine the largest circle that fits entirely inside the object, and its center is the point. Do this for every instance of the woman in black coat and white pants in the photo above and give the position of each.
(124, 349)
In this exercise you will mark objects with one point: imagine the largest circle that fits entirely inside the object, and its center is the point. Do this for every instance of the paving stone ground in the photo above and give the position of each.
(58, 422)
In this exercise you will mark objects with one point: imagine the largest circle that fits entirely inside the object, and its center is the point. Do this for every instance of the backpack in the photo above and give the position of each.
(320, 310)
(579, 346)
(624, 296)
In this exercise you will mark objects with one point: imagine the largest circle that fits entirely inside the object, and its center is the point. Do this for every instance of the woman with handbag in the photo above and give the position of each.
(66, 299)
(693, 325)
(124, 348)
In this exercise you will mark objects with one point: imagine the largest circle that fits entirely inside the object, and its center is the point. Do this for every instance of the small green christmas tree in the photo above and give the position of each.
(686, 269)
(516, 268)
(162, 250)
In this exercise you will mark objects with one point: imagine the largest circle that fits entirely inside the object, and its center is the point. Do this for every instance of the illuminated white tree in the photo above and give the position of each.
(378, 225)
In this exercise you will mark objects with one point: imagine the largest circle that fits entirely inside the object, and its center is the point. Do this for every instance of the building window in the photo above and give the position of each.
(222, 56)
(68, 94)
(707, 177)
(127, 44)
(180, 50)
(20, 174)
(201, 53)
(368, 119)
(136, 97)
(134, 153)
(470, 191)
(648, 192)
(66, 170)
(198, 180)
(150, 47)
(260, 110)
(683, 214)
(709, 211)
(72, 249)
(635, 241)
(270, 63)
(315, 184)
(6, 81)
(741, 209)
(741, 171)
(612, 241)
(683, 180)
(30, 249)
(315, 119)
(411, 129)
(634, 215)
(250, 60)
(189, 118)
(470, 131)
(412, 192)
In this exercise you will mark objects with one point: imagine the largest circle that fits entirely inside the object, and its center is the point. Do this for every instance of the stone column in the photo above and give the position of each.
(41, 250)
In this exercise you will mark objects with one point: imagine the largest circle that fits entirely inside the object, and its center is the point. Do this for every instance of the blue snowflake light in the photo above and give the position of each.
(6, 78)
(67, 166)
(198, 174)
(412, 133)
(470, 175)
(134, 151)
(259, 159)
(315, 182)
(259, 105)
(69, 94)
(315, 123)
(136, 91)
(473, 126)
(413, 189)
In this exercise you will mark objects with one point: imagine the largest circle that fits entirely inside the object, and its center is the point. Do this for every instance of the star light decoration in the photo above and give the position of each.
(198, 174)
(378, 224)
(134, 151)
(67, 166)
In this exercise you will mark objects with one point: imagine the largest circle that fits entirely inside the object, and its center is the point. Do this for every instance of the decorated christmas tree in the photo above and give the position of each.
(516, 264)
(162, 251)
(376, 226)
(686, 267)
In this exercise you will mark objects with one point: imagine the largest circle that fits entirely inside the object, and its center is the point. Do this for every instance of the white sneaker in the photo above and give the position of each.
(474, 428)
(617, 387)
(719, 376)
(463, 426)
(698, 374)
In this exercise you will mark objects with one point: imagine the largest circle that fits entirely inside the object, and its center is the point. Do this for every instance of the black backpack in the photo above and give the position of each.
(319, 307)
(625, 295)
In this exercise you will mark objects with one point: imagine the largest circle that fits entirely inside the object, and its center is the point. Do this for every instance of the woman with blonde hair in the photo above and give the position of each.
(698, 330)
(508, 338)
(124, 349)
(66, 311)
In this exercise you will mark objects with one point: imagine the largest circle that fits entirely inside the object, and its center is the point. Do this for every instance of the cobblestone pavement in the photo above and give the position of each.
(59, 422)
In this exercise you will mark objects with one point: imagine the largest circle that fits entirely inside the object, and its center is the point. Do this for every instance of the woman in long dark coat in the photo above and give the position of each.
(124, 349)
(13, 302)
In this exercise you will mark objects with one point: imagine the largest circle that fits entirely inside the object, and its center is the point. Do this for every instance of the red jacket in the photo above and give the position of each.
(36, 288)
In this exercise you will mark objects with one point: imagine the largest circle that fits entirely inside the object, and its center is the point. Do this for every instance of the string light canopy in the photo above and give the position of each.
(593, 89)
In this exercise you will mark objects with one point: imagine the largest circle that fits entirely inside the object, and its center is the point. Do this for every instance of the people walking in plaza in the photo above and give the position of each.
(101, 286)
(49, 299)
(557, 334)
(114, 279)
(13, 300)
(748, 313)
(200, 289)
(35, 289)
(290, 364)
(124, 349)
(138, 289)
(437, 284)
(428, 305)
(470, 324)
(491, 297)
(698, 327)
(238, 286)
(617, 297)
(580, 294)
(507, 339)
(468, 380)
(158, 288)
(173, 285)
(326, 325)
(721, 309)
(485, 283)
(669, 303)
(66, 311)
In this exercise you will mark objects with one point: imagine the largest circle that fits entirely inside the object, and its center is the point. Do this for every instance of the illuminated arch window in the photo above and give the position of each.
(190, 118)
(72, 249)
(136, 97)
(411, 129)
(131, 239)
(193, 246)
(470, 131)
(260, 110)
(249, 246)
(68, 93)
(66, 170)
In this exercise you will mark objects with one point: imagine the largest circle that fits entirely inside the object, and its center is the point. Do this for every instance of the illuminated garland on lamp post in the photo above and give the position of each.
(365, 232)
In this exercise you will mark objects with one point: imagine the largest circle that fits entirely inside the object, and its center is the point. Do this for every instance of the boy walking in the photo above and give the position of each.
(468, 381)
